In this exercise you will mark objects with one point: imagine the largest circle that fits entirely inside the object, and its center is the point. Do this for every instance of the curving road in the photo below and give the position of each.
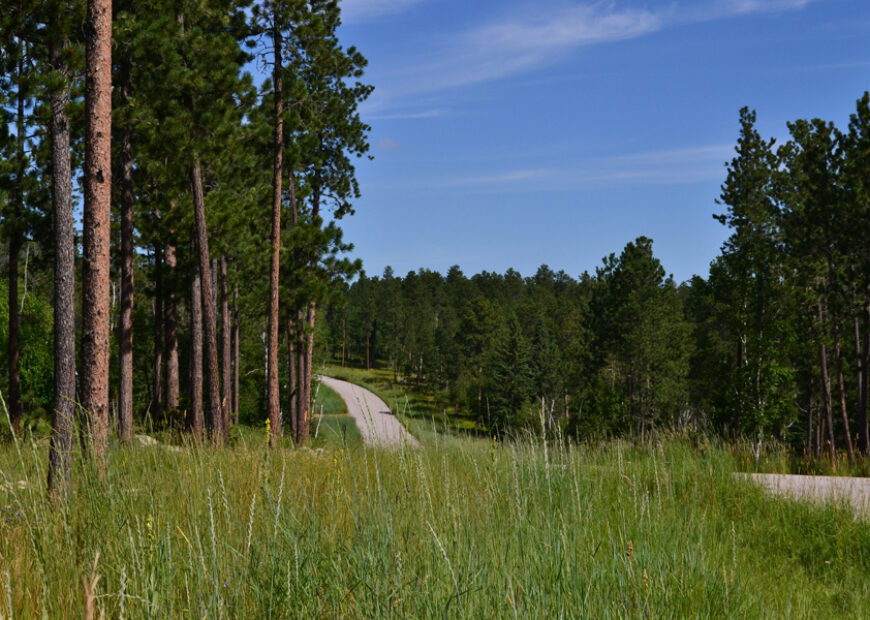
(378, 426)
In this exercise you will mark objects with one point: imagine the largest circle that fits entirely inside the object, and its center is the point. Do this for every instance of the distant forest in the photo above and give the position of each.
(773, 343)
(210, 268)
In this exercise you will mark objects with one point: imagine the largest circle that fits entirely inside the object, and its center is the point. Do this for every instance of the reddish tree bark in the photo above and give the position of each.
(158, 329)
(213, 415)
(293, 414)
(125, 336)
(301, 371)
(309, 358)
(97, 228)
(170, 327)
(195, 413)
(236, 355)
(63, 414)
(13, 345)
(272, 402)
(226, 347)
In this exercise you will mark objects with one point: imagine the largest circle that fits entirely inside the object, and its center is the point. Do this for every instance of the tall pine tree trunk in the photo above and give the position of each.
(301, 367)
(158, 330)
(294, 382)
(236, 355)
(14, 350)
(63, 408)
(194, 388)
(226, 347)
(826, 387)
(272, 395)
(13, 346)
(170, 313)
(213, 414)
(125, 334)
(841, 384)
(309, 359)
(97, 224)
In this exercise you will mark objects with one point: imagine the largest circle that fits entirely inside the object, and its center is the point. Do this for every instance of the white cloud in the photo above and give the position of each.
(528, 41)
(681, 166)
(433, 113)
(387, 144)
(509, 177)
(359, 10)
(666, 167)
(504, 48)
(757, 6)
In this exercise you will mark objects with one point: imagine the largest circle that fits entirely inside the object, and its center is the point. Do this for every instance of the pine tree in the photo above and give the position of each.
(97, 216)
(750, 289)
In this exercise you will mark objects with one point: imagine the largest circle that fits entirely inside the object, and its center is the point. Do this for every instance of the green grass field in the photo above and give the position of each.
(460, 528)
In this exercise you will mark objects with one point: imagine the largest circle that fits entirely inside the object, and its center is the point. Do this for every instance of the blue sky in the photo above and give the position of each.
(512, 133)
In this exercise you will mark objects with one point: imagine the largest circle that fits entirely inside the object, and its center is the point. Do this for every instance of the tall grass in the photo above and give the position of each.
(460, 528)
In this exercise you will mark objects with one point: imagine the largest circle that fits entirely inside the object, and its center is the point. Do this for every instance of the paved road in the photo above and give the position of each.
(856, 491)
(378, 426)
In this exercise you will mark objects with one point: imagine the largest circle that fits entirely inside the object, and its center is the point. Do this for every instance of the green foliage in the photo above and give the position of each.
(36, 361)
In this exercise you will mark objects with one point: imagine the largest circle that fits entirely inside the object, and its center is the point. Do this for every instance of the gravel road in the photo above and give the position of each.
(855, 491)
(378, 426)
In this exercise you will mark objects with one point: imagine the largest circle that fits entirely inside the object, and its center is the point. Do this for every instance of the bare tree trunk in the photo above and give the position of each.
(125, 336)
(301, 368)
(63, 414)
(195, 413)
(842, 387)
(272, 401)
(14, 348)
(170, 313)
(305, 429)
(213, 415)
(236, 355)
(97, 224)
(293, 414)
(14, 351)
(826, 387)
(811, 420)
(226, 346)
(158, 330)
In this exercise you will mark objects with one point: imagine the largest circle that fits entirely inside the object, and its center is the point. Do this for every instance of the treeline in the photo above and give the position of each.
(205, 200)
(773, 343)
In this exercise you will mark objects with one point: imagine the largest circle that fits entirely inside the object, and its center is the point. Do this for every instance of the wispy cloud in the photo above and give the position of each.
(666, 167)
(527, 41)
(502, 178)
(387, 144)
(757, 6)
(504, 48)
(434, 113)
(682, 166)
(359, 10)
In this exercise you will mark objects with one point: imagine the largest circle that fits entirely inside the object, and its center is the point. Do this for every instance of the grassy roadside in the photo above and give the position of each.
(457, 529)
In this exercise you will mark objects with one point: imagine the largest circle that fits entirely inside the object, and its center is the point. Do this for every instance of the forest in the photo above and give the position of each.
(174, 278)
(214, 198)
(771, 345)
(195, 244)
